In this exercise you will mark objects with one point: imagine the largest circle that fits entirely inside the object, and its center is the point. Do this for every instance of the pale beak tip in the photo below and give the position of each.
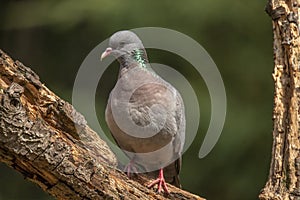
(102, 56)
(105, 53)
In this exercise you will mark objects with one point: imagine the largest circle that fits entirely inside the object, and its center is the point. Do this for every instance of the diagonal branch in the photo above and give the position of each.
(49, 142)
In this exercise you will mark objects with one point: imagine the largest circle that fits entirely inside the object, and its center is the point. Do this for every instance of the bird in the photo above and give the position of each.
(154, 136)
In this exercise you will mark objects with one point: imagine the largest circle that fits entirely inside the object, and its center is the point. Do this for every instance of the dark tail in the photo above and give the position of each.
(171, 173)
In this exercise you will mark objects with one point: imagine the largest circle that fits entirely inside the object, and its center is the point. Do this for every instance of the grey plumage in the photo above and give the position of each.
(150, 103)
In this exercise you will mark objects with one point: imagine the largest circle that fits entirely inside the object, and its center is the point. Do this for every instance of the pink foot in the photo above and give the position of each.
(130, 168)
(161, 183)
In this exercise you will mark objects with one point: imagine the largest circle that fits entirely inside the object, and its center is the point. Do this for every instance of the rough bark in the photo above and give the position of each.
(45, 139)
(284, 176)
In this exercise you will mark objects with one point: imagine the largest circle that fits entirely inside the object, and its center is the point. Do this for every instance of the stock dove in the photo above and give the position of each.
(144, 113)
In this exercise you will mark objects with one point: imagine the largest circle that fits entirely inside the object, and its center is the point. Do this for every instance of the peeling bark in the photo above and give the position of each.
(284, 176)
(48, 141)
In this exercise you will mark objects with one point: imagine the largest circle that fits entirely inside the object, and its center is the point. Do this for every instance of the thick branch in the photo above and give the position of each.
(284, 177)
(45, 139)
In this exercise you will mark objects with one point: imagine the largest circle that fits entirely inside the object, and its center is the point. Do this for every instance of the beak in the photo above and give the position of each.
(106, 53)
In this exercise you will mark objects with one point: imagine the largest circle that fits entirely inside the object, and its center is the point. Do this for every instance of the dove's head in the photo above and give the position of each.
(122, 43)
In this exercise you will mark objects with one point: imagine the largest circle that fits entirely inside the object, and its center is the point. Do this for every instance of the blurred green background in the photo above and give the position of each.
(53, 37)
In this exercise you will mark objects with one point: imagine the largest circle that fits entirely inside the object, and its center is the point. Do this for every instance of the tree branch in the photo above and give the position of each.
(49, 142)
(284, 176)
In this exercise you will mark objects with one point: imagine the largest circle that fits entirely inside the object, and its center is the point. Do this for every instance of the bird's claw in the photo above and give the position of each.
(161, 185)
(130, 168)
(160, 181)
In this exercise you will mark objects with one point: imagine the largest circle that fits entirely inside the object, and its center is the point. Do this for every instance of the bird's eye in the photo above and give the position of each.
(122, 44)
